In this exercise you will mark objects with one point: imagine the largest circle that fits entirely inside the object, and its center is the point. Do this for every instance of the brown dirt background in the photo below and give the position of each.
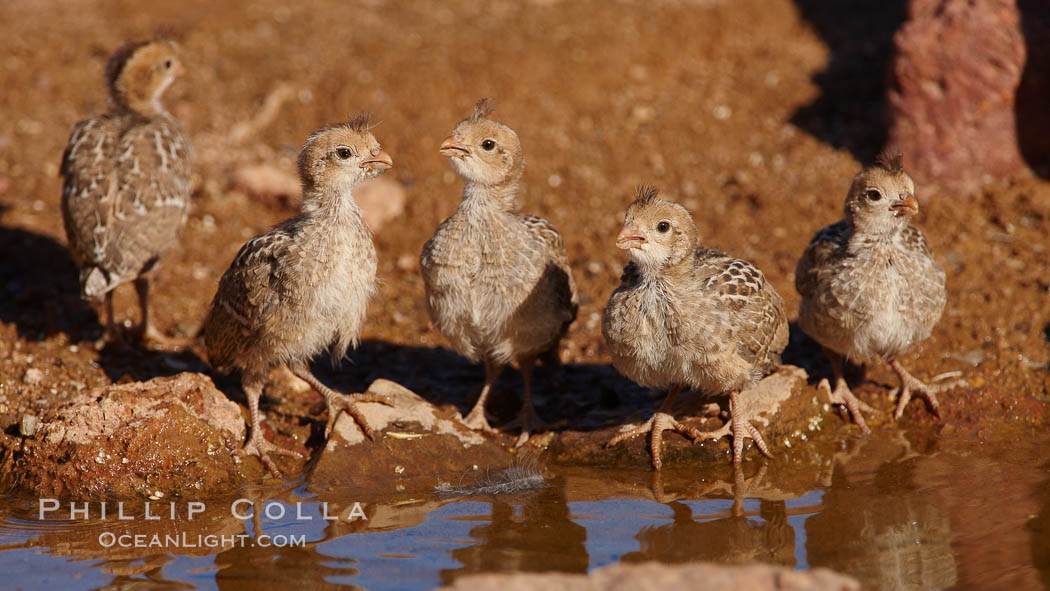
(754, 114)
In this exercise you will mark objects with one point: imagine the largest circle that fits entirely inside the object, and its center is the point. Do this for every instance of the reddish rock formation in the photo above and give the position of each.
(174, 436)
(953, 83)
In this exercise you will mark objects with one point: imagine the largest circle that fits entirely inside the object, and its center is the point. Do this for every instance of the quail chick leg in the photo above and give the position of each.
(527, 418)
(338, 403)
(257, 445)
(147, 331)
(844, 396)
(740, 428)
(112, 332)
(662, 420)
(912, 385)
(476, 418)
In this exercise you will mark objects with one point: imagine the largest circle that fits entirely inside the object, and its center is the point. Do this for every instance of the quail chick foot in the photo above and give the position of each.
(661, 421)
(477, 419)
(147, 332)
(842, 395)
(338, 403)
(527, 420)
(739, 427)
(911, 385)
(855, 407)
(259, 447)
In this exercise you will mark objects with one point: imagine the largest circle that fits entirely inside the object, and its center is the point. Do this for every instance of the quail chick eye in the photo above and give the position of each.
(343, 153)
(488, 145)
(663, 227)
(167, 64)
(873, 195)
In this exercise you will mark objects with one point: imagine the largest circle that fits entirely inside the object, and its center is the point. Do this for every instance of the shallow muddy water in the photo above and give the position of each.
(897, 511)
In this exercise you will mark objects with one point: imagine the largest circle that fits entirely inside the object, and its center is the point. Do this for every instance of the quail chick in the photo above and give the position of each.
(126, 173)
(685, 316)
(869, 284)
(304, 285)
(498, 283)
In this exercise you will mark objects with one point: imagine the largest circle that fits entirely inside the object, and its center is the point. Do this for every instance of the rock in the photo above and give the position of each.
(382, 200)
(417, 445)
(32, 376)
(790, 412)
(175, 435)
(655, 576)
(261, 180)
(953, 83)
(408, 262)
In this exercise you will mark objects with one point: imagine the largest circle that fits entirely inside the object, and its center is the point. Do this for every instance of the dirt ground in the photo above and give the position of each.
(726, 106)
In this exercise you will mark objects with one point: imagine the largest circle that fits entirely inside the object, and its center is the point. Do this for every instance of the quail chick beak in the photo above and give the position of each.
(379, 162)
(906, 205)
(179, 69)
(629, 238)
(453, 149)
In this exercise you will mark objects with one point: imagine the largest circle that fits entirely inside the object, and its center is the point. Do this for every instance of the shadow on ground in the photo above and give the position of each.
(565, 395)
(41, 296)
(1033, 117)
(850, 112)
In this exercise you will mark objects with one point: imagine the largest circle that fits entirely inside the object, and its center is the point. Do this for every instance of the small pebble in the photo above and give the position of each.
(32, 376)
(29, 425)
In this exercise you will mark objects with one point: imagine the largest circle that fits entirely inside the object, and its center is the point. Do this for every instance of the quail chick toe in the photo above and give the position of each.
(529, 422)
(259, 447)
(842, 396)
(347, 403)
(910, 385)
(477, 419)
(740, 427)
(656, 425)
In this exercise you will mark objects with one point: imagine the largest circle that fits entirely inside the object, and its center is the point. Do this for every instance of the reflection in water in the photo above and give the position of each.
(961, 513)
(1039, 526)
(306, 568)
(527, 533)
(300, 566)
(886, 533)
(730, 540)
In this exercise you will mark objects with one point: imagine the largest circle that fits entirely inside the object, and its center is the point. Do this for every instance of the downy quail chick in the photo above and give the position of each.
(498, 283)
(869, 284)
(304, 285)
(685, 316)
(126, 173)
